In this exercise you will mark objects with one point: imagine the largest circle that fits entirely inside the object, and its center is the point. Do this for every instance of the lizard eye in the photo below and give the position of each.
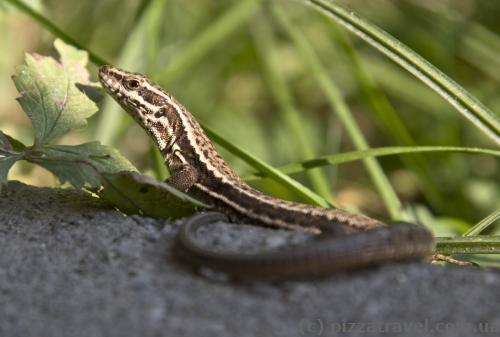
(132, 84)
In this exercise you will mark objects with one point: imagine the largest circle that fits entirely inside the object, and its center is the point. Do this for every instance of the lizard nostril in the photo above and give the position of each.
(104, 69)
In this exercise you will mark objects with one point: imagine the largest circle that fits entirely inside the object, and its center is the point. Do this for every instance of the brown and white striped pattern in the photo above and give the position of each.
(183, 142)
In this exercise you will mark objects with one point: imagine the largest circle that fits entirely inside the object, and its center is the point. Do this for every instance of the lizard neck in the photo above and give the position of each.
(189, 144)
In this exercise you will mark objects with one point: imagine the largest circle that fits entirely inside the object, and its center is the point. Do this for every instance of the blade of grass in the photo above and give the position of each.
(154, 33)
(483, 118)
(483, 224)
(341, 158)
(338, 105)
(47, 24)
(293, 120)
(261, 166)
(210, 38)
(155, 18)
(111, 118)
(388, 118)
(479, 244)
(403, 87)
(477, 44)
(479, 48)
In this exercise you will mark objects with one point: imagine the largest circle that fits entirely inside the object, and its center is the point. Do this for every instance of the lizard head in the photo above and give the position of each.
(140, 97)
(145, 101)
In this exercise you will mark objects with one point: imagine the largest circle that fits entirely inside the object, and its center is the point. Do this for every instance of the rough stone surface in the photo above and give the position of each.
(69, 266)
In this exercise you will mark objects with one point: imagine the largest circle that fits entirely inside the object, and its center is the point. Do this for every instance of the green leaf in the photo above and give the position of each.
(54, 95)
(10, 149)
(133, 193)
(5, 165)
(9, 144)
(75, 62)
(4, 143)
(49, 94)
(80, 165)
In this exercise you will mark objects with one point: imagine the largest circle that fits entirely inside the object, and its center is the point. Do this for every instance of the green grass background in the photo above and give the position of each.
(282, 81)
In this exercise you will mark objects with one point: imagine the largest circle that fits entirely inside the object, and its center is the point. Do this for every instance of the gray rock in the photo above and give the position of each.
(70, 266)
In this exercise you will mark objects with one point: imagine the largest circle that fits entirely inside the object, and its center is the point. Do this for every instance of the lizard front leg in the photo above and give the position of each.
(183, 177)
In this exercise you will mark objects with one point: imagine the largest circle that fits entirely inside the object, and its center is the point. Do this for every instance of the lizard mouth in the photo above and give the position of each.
(109, 79)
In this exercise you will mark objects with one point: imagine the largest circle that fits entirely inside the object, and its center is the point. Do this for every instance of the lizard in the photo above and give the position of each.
(346, 240)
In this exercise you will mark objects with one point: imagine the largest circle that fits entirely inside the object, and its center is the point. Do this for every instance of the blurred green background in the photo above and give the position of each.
(234, 65)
